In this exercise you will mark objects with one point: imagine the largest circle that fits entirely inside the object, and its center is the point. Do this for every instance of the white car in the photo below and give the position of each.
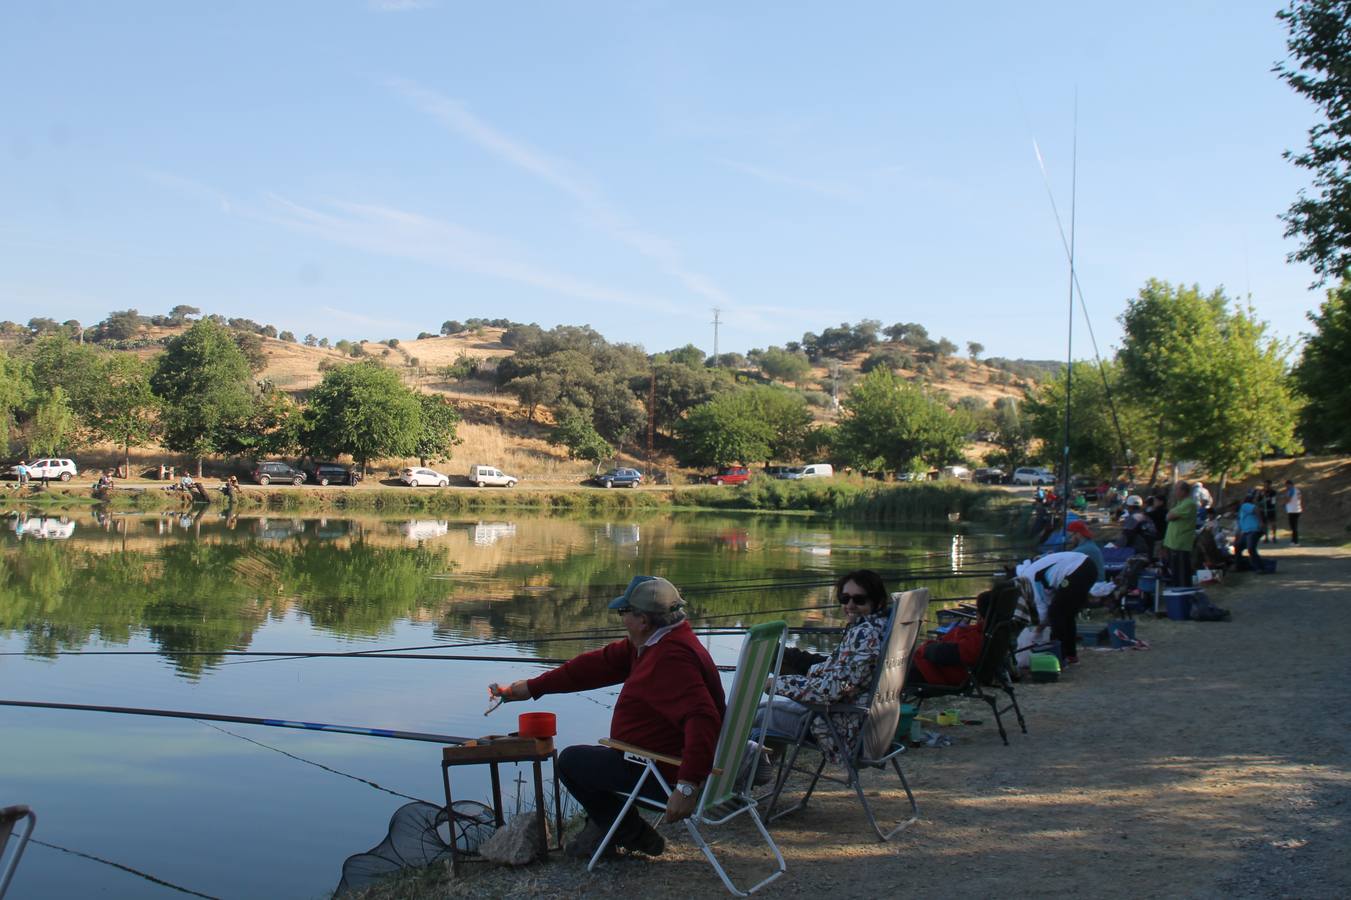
(62, 469)
(488, 475)
(419, 477)
(1032, 475)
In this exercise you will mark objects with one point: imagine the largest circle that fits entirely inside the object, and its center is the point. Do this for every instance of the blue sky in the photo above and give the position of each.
(371, 168)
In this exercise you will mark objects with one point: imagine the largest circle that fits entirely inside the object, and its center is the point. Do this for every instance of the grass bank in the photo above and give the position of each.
(839, 497)
(929, 501)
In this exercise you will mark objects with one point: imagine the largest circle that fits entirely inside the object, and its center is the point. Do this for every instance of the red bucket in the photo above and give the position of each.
(537, 725)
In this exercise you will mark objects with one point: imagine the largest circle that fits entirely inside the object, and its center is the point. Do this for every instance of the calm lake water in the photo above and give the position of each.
(213, 807)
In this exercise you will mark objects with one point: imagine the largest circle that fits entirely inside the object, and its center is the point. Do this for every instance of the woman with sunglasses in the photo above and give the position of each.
(844, 676)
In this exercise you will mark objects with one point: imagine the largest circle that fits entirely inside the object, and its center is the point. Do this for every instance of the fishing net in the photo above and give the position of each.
(419, 835)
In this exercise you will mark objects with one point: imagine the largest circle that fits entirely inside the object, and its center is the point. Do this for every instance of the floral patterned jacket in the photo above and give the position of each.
(845, 677)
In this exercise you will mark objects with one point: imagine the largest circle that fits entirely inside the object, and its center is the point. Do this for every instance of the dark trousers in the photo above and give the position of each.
(1065, 606)
(1293, 519)
(593, 774)
(1180, 567)
(1248, 543)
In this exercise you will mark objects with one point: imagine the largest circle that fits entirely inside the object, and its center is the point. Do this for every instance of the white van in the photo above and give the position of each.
(485, 475)
(813, 470)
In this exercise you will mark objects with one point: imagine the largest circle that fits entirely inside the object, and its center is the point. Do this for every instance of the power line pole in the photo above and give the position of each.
(716, 322)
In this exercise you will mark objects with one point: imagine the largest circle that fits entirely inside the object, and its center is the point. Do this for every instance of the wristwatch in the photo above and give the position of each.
(686, 789)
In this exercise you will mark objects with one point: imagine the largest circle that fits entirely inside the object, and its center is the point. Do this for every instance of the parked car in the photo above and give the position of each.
(268, 472)
(731, 475)
(1032, 475)
(812, 470)
(961, 473)
(55, 469)
(486, 475)
(1086, 485)
(988, 475)
(630, 478)
(416, 476)
(778, 471)
(333, 473)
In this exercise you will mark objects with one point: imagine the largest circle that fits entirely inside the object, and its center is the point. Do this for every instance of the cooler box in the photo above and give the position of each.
(907, 718)
(1178, 603)
(1045, 667)
(1091, 635)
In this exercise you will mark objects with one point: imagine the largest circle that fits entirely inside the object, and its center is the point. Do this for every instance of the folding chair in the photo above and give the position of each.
(991, 669)
(723, 798)
(9, 817)
(875, 745)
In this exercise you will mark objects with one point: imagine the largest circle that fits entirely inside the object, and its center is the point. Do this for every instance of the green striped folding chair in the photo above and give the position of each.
(875, 746)
(724, 796)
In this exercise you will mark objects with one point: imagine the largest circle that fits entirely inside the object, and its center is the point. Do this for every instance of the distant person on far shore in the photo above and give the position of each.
(1294, 507)
(22, 469)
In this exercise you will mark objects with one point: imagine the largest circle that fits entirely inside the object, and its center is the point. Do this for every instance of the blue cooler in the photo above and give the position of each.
(1178, 602)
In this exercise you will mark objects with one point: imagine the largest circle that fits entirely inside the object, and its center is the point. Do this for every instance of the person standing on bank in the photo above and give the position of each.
(1250, 527)
(671, 702)
(1294, 506)
(1269, 497)
(1180, 537)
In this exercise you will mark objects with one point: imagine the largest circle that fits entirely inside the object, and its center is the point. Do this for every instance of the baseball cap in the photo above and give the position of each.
(1078, 527)
(649, 594)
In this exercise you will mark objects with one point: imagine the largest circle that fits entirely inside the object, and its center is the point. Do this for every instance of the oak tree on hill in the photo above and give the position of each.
(124, 408)
(204, 382)
(365, 411)
(891, 426)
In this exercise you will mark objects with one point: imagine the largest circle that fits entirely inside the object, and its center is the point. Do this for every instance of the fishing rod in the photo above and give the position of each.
(391, 733)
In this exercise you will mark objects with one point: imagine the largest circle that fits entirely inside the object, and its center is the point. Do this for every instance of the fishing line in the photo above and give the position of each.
(117, 865)
(310, 762)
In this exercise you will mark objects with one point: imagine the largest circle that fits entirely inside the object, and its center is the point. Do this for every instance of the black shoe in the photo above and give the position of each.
(584, 845)
(646, 840)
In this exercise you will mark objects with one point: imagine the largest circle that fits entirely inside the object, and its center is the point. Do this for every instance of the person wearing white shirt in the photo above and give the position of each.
(1067, 577)
(1294, 506)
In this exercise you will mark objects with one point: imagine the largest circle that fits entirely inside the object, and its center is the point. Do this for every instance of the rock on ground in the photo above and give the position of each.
(516, 844)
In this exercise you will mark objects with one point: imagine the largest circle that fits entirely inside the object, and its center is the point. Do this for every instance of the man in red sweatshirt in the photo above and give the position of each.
(946, 660)
(671, 703)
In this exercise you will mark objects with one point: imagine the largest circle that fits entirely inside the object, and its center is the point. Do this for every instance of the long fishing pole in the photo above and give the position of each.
(391, 733)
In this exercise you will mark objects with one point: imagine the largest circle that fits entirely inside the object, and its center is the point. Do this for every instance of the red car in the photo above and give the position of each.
(731, 475)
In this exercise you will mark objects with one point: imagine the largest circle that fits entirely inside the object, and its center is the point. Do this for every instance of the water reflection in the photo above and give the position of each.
(206, 583)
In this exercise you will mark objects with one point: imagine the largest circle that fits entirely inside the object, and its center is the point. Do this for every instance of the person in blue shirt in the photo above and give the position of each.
(1250, 529)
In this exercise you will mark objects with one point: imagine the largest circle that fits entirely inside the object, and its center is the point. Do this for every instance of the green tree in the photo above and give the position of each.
(438, 421)
(16, 391)
(180, 313)
(1012, 433)
(535, 390)
(1320, 69)
(119, 326)
(1323, 374)
(727, 429)
(1095, 447)
(123, 410)
(780, 365)
(204, 383)
(891, 426)
(363, 410)
(677, 388)
(274, 427)
(57, 361)
(1215, 382)
(974, 349)
(53, 425)
(575, 432)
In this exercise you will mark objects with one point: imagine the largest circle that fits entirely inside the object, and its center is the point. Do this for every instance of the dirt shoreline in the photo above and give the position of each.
(1217, 764)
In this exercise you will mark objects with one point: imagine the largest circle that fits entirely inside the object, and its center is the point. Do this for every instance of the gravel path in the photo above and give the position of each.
(1217, 764)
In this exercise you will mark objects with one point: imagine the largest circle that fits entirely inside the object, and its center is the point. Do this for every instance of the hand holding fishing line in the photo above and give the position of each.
(497, 695)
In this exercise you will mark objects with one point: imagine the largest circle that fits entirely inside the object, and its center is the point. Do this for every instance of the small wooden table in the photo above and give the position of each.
(495, 750)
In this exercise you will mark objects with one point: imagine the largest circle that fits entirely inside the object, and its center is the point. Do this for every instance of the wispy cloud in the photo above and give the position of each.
(399, 233)
(809, 185)
(397, 6)
(558, 174)
(189, 189)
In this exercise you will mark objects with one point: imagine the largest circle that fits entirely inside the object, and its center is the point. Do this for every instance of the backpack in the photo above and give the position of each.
(1205, 611)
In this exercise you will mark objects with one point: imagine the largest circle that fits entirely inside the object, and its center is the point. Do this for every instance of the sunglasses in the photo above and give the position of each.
(860, 599)
(624, 609)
